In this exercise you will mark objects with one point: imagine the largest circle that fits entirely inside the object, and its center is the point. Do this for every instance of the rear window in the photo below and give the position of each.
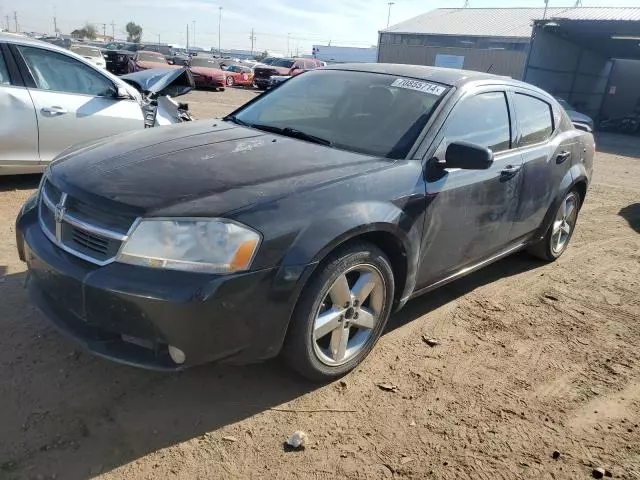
(151, 57)
(85, 51)
(535, 117)
(281, 62)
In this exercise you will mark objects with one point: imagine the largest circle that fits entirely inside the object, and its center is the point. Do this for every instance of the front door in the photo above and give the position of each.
(470, 212)
(18, 125)
(74, 102)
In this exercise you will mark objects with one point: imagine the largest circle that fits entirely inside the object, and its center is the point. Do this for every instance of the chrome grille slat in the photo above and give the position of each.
(91, 241)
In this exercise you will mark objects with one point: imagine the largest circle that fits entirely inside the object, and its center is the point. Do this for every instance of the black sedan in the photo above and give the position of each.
(297, 224)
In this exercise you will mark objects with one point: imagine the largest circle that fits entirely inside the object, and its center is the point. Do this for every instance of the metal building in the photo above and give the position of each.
(570, 52)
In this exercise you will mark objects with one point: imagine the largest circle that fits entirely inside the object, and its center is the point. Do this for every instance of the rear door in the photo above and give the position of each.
(18, 124)
(470, 212)
(74, 102)
(547, 150)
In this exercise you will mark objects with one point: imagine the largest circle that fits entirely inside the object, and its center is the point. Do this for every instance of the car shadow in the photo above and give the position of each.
(19, 182)
(631, 214)
(73, 411)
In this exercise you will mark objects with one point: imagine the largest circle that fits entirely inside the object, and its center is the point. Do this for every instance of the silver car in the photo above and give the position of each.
(51, 98)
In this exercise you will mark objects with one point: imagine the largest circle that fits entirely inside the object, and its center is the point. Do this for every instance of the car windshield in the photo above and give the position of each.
(371, 113)
(121, 46)
(204, 62)
(86, 51)
(268, 61)
(282, 62)
(151, 57)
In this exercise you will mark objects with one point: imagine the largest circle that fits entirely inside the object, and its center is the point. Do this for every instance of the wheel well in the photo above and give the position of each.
(393, 249)
(581, 187)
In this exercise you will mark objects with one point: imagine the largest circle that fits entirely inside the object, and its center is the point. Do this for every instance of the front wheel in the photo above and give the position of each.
(229, 81)
(341, 313)
(557, 239)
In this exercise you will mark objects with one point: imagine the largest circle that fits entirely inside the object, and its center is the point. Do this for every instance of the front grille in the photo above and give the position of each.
(81, 229)
(264, 73)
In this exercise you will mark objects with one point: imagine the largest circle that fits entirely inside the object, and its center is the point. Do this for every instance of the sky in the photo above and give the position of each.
(283, 26)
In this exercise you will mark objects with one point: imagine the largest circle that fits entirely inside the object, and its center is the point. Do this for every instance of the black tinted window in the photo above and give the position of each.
(4, 73)
(535, 118)
(482, 119)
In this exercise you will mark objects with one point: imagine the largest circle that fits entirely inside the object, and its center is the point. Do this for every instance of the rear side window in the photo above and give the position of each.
(482, 119)
(4, 72)
(535, 117)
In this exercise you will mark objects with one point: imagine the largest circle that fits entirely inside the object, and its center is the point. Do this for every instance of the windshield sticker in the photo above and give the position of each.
(419, 86)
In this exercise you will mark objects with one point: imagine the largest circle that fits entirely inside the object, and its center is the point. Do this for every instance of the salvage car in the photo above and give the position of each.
(144, 60)
(51, 98)
(207, 73)
(299, 222)
(288, 67)
(239, 75)
(92, 54)
(119, 57)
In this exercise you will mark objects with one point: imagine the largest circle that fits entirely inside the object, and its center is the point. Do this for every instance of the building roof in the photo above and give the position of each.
(502, 22)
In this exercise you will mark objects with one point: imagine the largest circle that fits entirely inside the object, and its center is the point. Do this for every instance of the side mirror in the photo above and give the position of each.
(468, 156)
(122, 94)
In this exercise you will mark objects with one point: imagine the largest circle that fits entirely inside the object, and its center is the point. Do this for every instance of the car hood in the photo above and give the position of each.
(580, 117)
(150, 64)
(169, 80)
(207, 72)
(199, 169)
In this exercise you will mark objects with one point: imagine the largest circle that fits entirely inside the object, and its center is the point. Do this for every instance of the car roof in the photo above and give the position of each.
(149, 51)
(24, 40)
(447, 76)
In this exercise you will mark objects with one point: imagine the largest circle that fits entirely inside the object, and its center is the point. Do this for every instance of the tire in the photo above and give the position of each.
(560, 232)
(331, 331)
(229, 81)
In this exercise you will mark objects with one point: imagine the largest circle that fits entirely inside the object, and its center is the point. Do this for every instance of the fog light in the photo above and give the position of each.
(177, 355)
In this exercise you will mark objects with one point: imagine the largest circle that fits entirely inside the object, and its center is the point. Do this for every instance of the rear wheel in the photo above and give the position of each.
(229, 81)
(557, 239)
(341, 313)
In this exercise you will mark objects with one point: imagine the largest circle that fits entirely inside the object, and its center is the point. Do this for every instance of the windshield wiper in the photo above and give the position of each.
(237, 121)
(294, 133)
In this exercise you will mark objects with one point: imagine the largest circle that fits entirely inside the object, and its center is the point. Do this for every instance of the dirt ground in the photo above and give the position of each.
(532, 359)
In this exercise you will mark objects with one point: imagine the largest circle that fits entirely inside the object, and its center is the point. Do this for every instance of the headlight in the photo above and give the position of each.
(196, 245)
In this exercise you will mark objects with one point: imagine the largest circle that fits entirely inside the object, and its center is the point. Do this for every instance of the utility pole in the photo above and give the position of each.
(158, 39)
(104, 30)
(15, 20)
(8, 24)
(578, 3)
(467, 4)
(220, 31)
(113, 30)
(194, 33)
(389, 14)
(546, 6)
(253, 39)
(187, 38)
(288, 47)
(55, 26)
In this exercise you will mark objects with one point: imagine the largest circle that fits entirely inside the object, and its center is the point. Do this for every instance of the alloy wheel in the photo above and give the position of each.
(564, 223)
(348, 315)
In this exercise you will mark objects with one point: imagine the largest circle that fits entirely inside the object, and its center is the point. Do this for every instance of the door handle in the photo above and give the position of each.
(510, 170)
(55, 110)
(562, 157)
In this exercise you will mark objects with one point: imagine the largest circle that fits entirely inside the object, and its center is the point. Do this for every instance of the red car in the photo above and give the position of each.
(239, 75)
(207, 73)
(288, 67)
(144, 60)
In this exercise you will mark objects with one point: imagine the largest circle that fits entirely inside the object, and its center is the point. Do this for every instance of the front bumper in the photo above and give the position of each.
(132, 314)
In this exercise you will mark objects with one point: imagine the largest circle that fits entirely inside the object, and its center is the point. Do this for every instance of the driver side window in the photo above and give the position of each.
(61, 73)
(483, 120)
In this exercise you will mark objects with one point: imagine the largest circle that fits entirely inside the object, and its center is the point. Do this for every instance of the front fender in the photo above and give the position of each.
(341, 224)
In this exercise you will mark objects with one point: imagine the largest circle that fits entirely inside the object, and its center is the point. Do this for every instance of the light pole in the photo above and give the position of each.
(220, 31)
(288, 45)
(389, 14)
(194, 33)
